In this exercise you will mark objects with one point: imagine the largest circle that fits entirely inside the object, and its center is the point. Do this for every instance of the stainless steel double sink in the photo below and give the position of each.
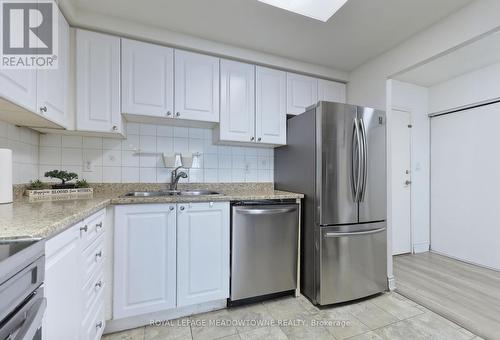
(170, 193)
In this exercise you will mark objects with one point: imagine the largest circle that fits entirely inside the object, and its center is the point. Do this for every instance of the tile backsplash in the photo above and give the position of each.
(24, 145)
(108, 160)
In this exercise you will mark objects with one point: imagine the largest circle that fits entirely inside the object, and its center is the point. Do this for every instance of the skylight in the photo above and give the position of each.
(317, 9)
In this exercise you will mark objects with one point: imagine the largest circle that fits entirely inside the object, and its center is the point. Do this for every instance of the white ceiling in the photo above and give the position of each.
(358, 32)
(468, 58)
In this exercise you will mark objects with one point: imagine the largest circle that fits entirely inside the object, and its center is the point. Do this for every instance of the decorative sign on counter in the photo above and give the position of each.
(59, 192)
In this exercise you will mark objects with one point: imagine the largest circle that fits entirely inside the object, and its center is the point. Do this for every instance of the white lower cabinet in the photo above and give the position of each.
(169, 255)
(202, 252)
(144, 259)
(74, 282)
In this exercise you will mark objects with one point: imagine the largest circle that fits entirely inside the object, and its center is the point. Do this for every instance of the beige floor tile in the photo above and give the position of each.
(437, 327)
(340, 323)
(307, 333)
(213, 325)
(133, 334)
(268, 333)
(175, 330)
(371, 315)
(250, 317)
(397, 305)
(312, 309)
(231, 337)
(367, 336)
(286, 308)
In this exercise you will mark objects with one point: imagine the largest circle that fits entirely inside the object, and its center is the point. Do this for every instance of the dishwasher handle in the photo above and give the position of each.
(271, 210)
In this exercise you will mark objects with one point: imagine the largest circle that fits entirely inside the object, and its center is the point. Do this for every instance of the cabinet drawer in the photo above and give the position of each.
(92, 227)
(92, 291)
(93, 324)
(93, 259)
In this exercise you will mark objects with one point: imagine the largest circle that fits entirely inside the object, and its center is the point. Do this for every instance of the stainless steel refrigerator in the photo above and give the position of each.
(336, 156)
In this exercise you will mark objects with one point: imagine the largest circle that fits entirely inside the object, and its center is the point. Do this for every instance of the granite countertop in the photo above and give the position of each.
(44, 219)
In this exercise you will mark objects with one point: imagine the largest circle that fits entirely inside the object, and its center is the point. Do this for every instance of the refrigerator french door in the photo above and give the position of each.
(336, 156)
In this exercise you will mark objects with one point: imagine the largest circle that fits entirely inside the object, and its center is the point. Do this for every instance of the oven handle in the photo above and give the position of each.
(33, 320)
(265, 211)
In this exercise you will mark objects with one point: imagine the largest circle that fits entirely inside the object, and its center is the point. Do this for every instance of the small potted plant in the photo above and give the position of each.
(81, 183)
(64, 176)
(36, 185)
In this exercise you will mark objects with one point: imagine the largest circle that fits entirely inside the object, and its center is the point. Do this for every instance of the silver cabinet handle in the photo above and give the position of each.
(407, 182)
(171, 208)
(182, 208)
(115, 128)
(252, 138)
(43, 109)
(84, 228)
(169, 113)
(355, 233)
(259, 139)
(98, 255)
(266, 211)
(98, 284)
(98, 325)
(98, 225)
(177, 114)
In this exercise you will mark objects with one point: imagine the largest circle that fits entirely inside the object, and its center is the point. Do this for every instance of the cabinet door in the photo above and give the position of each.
(331, 91)
(144, 259)
(147, 79)
(202, 252)
(19, 87)
(52, 85)
(237, 101)
(270, 113)
(302, 92)
(63, 286)
(98, 82)
(196, 86)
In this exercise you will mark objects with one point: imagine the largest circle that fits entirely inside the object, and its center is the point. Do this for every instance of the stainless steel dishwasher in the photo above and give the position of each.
(264, 237)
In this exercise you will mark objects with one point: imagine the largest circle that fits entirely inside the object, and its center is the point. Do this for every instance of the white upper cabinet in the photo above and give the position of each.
(270, 113)
(302, 92)
(203, 252)
(52, 85)
(237, 101)
(19, 87)
(98, 82)
(331, 91)
(144, 259)
(147, 79)
(196, 86)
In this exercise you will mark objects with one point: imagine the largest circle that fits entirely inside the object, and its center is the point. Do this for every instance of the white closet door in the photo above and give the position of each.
(465, 185)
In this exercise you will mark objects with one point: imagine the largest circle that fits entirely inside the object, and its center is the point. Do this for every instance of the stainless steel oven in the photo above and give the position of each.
(22, 304)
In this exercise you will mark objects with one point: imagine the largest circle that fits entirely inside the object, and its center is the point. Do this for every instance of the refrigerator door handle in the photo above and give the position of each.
(354, 233)
(365, 160)
(356, 179)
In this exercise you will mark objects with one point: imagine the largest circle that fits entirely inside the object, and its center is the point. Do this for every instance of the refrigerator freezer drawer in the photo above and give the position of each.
(263, 250)
(352, 264)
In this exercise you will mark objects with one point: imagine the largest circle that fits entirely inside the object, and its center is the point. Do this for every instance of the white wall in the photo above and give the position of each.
(470, 88)
(367, 85)
(24, 145)
(415, 99)
(116, 161)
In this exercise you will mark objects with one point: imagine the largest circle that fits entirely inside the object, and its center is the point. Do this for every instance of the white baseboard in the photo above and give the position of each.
(421, 247)
(171, 314)
(391, 283)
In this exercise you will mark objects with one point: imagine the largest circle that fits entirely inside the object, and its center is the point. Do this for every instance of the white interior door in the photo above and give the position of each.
(401, 181)
(465, 185)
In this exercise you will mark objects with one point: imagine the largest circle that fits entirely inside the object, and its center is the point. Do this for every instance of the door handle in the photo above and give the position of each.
(354, 233)
(365, 159)
(268, 211)
(356, 137)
